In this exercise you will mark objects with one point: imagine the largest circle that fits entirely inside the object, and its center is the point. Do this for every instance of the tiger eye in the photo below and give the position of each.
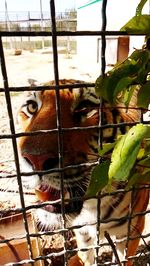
(32, 107)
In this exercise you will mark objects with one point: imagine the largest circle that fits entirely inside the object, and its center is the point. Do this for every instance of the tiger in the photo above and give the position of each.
(63, 154)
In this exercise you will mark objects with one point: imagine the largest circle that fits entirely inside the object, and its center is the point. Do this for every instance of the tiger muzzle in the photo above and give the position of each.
(46, 192)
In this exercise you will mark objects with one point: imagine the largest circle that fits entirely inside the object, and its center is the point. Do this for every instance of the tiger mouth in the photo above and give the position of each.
(46, 193)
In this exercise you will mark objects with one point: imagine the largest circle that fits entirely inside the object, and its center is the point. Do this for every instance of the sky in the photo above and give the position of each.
(34, 5)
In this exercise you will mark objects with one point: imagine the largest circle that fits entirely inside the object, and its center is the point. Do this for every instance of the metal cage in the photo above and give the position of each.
(35, 258)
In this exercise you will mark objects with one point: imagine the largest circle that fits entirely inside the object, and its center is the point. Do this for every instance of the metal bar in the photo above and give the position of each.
(67, 33)
(100, 139)
(50, 87)
(58, 110)
(49, 131)
(36, 206)
(14, 143)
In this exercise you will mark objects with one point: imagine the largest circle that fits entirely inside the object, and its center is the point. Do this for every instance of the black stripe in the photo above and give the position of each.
(111, 208)
(95, 150)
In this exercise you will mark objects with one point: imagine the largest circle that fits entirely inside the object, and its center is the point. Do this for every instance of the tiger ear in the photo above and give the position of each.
(33, 82)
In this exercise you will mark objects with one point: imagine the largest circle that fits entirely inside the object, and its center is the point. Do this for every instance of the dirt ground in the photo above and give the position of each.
(37, 65)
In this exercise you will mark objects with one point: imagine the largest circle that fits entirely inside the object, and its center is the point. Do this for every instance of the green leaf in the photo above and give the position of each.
(133, 180)
(132, 71)
(101, 87)
(138, 179)
(143, 159)
(141, 57)
(143, 99)
(145, 162)
(147, 134)
(107, 147)
(141, 153)
(124, 69)
(138, 25)
(125, 153)
(147, 143)
(128, 94)
(99, 179)
(140, 7)
(145, 178)
(121, 85)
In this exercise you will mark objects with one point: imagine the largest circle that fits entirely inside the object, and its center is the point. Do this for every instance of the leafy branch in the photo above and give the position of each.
(128, 158)
(133, 71)
(139, 24)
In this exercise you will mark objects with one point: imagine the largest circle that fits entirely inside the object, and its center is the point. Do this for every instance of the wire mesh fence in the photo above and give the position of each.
(22, 241)
(35, 21)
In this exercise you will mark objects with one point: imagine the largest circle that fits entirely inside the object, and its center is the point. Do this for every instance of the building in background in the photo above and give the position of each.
(89, 18)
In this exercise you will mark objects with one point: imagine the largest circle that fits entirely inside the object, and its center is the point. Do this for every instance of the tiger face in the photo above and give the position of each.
(59, 152)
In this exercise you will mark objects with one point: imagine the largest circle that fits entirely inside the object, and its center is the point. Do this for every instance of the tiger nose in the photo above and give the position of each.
(41, 162)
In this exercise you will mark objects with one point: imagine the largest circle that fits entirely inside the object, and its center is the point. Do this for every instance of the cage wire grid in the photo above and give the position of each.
(13, 136)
